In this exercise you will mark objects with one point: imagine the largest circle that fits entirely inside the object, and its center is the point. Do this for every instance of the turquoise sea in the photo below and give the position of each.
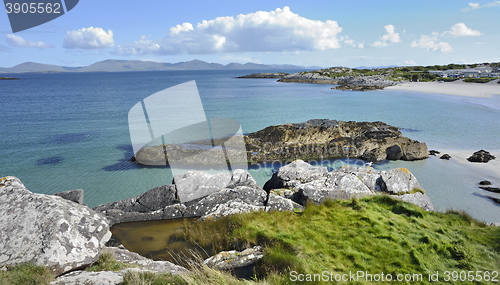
(61, 131)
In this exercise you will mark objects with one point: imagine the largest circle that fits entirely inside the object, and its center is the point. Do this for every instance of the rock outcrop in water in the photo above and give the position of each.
(312, 140)
(328, 139)
(47, 230)
(481, 156)
(340, 76)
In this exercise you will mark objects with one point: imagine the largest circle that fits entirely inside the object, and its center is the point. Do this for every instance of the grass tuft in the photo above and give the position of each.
(26, 274)
(107, 262)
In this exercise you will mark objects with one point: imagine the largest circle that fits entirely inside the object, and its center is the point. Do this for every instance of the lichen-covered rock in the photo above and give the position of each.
(242, 194)
(345, 183)
(278, 203)
(72, 195)
(47, 230)
(193, 185)
(336, 185)
(169, 212)
(151, 200)
(398, 180)
(89, 278)
(230, 208)
(293, 174)
(122, 254)
(234, 259)
(418, 198)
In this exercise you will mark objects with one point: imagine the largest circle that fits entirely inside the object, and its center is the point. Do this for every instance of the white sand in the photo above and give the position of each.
(458, 88)
(489, 171)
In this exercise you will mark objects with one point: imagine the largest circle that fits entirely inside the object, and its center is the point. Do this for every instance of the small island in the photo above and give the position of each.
(266, 75)
(312, 140)
(9, 78)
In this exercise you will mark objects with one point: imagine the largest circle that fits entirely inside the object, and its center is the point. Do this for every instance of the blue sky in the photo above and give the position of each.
(320, 33)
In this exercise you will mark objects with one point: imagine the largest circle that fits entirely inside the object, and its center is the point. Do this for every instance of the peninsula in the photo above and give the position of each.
(408, 78)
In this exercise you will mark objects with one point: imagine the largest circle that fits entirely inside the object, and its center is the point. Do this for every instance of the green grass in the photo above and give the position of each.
(479, 80)
(107, 262)
(377, 234)
(26, 274)
(202, 275)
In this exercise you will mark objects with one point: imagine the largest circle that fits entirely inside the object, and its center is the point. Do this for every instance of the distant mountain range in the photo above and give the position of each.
(112, 65)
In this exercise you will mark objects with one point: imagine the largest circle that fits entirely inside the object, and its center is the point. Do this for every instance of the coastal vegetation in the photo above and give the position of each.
(378, 78)
(26, 274)
(376, 234)
(373, 235)
(479, 80)
(405, 73)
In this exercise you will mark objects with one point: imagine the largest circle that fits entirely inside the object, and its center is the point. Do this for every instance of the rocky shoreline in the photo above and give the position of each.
(341, 76)
(72, 236)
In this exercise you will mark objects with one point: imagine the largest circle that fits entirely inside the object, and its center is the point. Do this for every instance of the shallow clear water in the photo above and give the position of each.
(68, 131)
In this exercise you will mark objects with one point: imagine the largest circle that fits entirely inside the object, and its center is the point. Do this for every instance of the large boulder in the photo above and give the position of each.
(116, 216)
(293, 174)
(230, 208)
(420, 199)
(72, 195)
(47, 230)
(242, 194)
(193, 185)
(151, 200)
(398, 180)
(136, 262)
(123, 255)
(336, 185)
(234, 259)
(279, 203)
(415, 151)
(89, 278)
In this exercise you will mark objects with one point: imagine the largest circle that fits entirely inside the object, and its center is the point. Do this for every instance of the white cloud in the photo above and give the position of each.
(410, 62)
(379, 44)
(89, 38)
(350, 42)
(461, 30)
(275, 31)
(361, 45)
(430, 44)
(391, 36)
(181, 28)
(17, 41)
(474, 6)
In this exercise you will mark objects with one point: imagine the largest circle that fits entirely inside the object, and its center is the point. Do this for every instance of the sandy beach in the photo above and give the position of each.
(458, 88)
(485, 94)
